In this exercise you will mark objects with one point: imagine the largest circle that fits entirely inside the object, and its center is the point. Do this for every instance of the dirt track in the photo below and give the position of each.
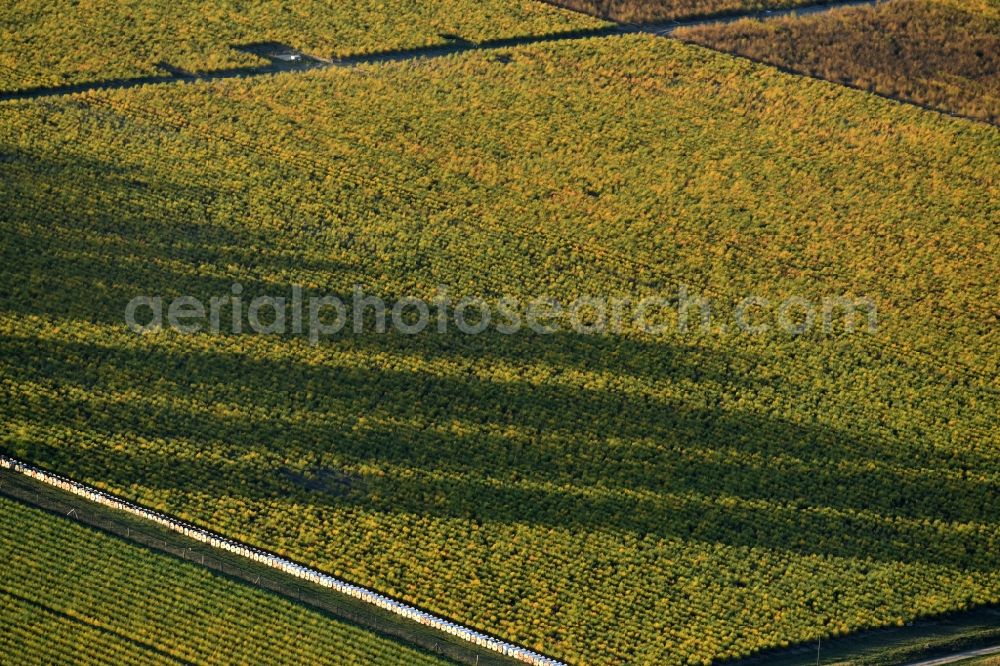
(960, 656)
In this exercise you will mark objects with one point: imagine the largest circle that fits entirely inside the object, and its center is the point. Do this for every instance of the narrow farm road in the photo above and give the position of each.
(960, 656)
(666, 28)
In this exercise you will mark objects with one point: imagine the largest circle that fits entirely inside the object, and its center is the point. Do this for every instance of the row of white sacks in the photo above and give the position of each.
(275, 562)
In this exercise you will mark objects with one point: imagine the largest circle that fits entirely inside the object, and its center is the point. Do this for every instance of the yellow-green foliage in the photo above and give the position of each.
(613, 499)
(940, 53)
(73, 595)
(985, 661)
(46, 44)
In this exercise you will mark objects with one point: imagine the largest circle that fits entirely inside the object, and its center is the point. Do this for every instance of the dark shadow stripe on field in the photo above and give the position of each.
(652, 452)
(557, 455)
(306, 63)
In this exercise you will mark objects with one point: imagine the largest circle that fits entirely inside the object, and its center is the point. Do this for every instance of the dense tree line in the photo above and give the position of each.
(940, 53)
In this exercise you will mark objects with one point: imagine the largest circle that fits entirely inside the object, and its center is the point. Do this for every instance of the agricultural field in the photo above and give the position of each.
(652, 11)
(51, 44)
(70, 594)
(939, 53)
(674, 498)
(983, 661)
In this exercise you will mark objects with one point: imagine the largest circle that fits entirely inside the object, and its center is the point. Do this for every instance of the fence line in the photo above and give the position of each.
(281, 564)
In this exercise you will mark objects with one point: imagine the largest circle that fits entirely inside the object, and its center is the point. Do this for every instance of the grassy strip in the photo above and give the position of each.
(924, 639)
(930, 648)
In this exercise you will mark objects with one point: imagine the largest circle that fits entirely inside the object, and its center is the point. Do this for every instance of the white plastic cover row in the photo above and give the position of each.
(275, 562)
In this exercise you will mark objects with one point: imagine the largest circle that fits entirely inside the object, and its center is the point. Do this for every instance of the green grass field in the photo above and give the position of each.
(70, 594)
(674, 499)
